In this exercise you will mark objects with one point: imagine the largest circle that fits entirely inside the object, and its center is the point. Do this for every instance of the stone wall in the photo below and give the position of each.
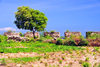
(94, 42)
(30, 34)
(91, 33)
(52, 34)
(11, 34)
(68, 34)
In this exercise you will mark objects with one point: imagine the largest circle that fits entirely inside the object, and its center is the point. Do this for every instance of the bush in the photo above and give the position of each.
(52, 31)
(21, 34)
(45, 38)
(94, 36)
(71, 42)
(11, 41)
(59, 42)
(86, 64)
(67, 31)
(83, 42)
(65, 42)
(3, 38)
(88, 34)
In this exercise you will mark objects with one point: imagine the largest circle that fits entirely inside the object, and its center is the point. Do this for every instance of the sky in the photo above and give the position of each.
(73, 15)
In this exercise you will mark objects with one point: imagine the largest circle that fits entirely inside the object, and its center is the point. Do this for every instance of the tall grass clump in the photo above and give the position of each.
(3, 38)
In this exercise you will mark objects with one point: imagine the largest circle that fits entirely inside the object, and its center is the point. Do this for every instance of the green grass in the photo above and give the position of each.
(21, 60)
(38, 47)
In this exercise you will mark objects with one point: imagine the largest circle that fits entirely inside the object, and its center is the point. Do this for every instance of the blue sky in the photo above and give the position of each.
(74, 15)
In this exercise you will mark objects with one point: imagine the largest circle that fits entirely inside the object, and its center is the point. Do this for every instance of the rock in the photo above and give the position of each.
(55, 35)
(68, 34)
(30, 34)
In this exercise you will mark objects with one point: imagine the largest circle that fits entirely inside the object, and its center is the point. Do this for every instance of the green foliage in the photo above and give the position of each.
(52, 31)
(86, 64)
(45, 38)
(87, 59)
(9, 31)
(3, 62)
(59, 42)
(88, 34)
(67, 30)
(22, 35)
(25, 59)
(3, 38)
(94, 36)
(30, 19)
(38, 47)
(71, 42)
(83, 42)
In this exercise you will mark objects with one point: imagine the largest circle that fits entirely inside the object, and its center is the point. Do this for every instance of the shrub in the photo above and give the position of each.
(88, 34)
(21, 34)
(52, 31)
(65, 42)
(67, 31)
(71, 42)
(83, 42)
(86, 64)
(3, 62)
(94, 36)
(10, 41)
(3, 38)
(59, 42)
(45, 38)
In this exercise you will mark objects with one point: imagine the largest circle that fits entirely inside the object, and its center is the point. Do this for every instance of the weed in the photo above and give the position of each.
(87, 59)
(60, 61)
(86, 64)
(3, 62)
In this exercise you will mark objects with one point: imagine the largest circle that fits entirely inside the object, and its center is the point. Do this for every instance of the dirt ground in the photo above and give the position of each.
(57, 59)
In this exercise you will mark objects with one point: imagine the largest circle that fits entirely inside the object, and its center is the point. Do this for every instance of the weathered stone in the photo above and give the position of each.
(91, 33)
(18, 38)
(52, 34)
(94, 42)
(30, 34)
(68, 34)
(11, 34)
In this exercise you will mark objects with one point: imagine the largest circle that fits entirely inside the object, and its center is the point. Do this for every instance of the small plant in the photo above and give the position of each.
(83, 42)
(21, 34)
(86, 64)
(67, 30)
(88, 34)
(60, 61)
(9, 31)
(46, 64)
(59, 42)
(87, 59)
(63, 58)
(71, 42)
(3, 62)
(52, 31)
(81, 61)
(70, 63)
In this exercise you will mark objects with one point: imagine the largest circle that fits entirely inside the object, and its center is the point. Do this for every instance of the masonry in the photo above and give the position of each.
(68, 34)
(52, 34)
(30, 34)
(11, 34)
(91, 33)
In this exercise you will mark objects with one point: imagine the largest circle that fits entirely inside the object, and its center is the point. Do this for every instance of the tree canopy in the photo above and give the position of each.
(30, 19)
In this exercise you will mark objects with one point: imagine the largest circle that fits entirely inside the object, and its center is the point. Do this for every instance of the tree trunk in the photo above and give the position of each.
(33, 34)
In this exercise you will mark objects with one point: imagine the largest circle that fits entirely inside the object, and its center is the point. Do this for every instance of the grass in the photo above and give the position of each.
(21, 60)
(38, 47)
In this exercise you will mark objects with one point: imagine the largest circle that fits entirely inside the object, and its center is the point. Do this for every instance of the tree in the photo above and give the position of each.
(30, 19)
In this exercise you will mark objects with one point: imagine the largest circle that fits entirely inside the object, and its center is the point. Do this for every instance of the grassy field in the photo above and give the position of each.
(39, 54)
(38, 47)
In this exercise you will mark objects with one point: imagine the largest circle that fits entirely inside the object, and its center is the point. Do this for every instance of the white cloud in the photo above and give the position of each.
(7, 28)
